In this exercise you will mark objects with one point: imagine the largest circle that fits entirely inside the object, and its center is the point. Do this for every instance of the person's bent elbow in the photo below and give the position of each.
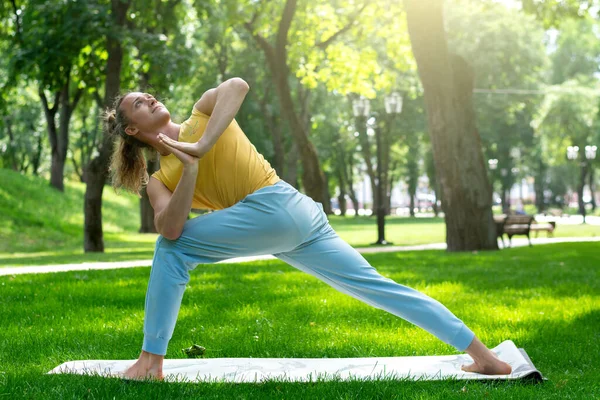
(168, 232)
(239, 84)
(171, 234)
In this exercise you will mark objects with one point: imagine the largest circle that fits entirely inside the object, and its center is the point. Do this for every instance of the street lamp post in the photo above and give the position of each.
(589, 155)
(361, 109)
(393, 107)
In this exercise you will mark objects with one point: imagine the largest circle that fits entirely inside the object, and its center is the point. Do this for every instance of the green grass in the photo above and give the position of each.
(546, 299)
(43, 226)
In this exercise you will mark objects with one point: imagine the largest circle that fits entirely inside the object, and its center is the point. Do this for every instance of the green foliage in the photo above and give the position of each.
(567, 117)
(506, 50)
(56, 39)
(552, 12)
(577, 50)
(22, 131)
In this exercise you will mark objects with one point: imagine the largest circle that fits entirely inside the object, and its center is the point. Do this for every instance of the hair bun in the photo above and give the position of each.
(110, 118)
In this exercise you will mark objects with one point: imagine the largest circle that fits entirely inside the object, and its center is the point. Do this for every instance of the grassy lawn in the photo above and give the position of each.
(546, 299)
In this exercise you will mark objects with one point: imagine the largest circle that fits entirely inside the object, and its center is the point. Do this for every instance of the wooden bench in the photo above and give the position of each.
(516, 224)
(549, 227)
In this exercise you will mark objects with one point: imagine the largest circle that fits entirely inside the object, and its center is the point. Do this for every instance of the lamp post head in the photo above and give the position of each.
(572, 152)
(590, 152)
(393, 103)
(361, 107)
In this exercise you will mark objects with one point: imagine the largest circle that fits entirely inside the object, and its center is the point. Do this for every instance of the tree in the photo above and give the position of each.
(448, 84)
(97, 169)
(568, 117)
(49, 44)
(275, 47)
(505, 48)
(163, 59)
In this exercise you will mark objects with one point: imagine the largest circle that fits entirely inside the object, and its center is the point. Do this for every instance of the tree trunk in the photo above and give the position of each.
(580, 187)
(342, 195)
(97, 172)
(146, 210)
(37, 156)
(505, 197)
(327, 202)
(413, 178)
(350, 180)
(539, 186)
(12, 145)
(448, 84)
(365, 147)
(592, 188)
(290, 174)
(313, 179)
(53, 138)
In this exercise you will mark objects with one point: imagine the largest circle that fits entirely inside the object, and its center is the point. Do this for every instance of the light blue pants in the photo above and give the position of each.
(281, 221)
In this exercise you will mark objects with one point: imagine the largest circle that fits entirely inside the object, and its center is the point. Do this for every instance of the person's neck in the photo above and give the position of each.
(172, 131)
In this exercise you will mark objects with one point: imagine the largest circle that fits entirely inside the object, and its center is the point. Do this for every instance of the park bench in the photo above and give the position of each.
(516, 224)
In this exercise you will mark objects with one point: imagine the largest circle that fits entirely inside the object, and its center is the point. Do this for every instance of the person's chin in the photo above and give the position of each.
(162, 115)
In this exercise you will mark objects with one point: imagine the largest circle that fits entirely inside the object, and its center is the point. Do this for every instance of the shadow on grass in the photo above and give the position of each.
(49, 319)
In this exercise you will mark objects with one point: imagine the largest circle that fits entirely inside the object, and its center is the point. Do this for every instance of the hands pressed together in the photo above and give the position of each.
(188, 153)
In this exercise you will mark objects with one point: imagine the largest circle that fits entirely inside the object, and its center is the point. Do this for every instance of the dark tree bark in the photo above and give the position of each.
(59, 135)
(365, 148)
(448, 84)
(290, 174)
(592, 186)
(413, 177)
(342, 196)
(580, 187)
(275, 129)
(343, 180)
(146, 210)
(37, 156)
(12, 145)
(97, 170)
(539, 185)
(350, 180)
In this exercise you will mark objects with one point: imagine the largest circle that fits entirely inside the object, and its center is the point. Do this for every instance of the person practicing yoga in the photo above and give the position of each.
(207, 162)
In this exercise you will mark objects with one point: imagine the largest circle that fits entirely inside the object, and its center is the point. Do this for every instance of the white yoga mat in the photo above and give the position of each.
(312, 369)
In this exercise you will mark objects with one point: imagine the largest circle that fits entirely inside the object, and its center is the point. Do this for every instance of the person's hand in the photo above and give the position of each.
(186, 159)
(197, 149)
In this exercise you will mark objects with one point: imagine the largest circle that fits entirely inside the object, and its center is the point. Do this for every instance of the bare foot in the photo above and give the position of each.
(485, 361)
(494, 366)
(147, 367)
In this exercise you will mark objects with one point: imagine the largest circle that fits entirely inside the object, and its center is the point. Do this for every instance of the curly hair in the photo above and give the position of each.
(128, 161)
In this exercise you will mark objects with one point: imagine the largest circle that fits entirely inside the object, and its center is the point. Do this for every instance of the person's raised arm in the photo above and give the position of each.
(222, 104)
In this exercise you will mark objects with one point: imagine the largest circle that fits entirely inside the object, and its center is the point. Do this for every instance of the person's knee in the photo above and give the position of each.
(169, 264)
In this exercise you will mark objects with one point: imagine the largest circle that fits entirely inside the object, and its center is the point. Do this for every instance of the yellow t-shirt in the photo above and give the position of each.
(230, 171)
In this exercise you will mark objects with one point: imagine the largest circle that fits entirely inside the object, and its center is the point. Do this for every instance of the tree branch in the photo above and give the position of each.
(76, 99)
(323, 45)
(284, 26)
(262, 42)
(18, 20)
